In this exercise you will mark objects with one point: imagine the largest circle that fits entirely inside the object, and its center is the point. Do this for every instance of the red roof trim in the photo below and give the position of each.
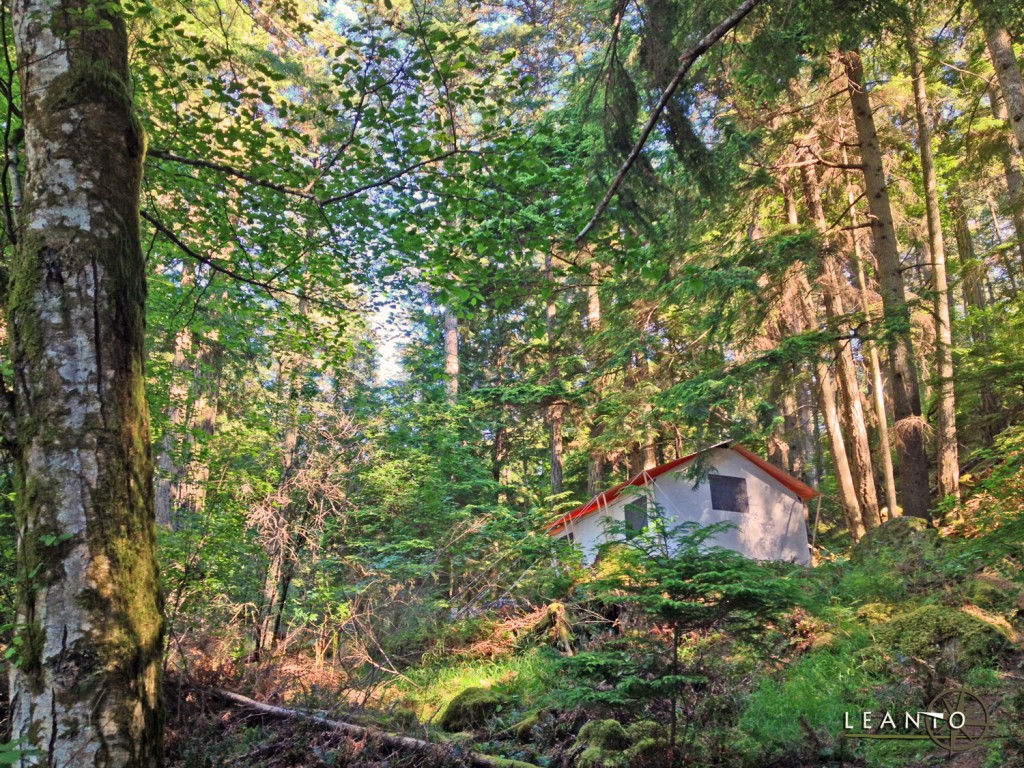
(605, 498)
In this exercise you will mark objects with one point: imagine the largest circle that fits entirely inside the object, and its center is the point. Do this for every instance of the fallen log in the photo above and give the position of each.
(475, 759)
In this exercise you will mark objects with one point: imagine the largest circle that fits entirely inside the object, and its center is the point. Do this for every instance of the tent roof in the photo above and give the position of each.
(603, 499)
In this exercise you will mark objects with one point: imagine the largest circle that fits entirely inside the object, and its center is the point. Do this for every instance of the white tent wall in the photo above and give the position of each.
(772, 528)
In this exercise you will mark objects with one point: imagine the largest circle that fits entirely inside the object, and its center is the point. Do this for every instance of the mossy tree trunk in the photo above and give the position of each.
(86, 688)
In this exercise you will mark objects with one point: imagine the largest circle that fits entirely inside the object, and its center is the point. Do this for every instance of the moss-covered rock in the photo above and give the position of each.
(649, 744)
(523, 730)
(900, 533)
(605, 741)
(595, 757)
(991, 592)
(646, 729)
(403, 716)
(648, 752)
(942, 635)
(470, 709)
(606, 734)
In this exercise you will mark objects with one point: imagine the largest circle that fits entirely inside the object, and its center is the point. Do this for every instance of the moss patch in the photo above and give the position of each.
(943, 635)
(523, 730)
(595, 757)
(606, 741)
(991, 592)
(876, 613)
(606, 734)
(899, 534)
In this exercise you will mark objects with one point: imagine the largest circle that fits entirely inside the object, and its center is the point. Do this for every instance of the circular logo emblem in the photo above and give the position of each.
(959, 720)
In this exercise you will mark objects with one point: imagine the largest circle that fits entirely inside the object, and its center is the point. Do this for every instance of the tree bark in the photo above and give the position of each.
(796, 455)
(1004, 60)
(1012, 162)
(909, 426)
(875, 364)
(778, 444)
(433, 751)
(825, 392)
(86, 689)
(188, 493)
(946, 438)
(972, 282)
(972, 269)
(851, 408)
(844, 476)
(555, 413)
(807, 417)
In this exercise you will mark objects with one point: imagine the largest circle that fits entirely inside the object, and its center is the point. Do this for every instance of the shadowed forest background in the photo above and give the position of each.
(392, 332)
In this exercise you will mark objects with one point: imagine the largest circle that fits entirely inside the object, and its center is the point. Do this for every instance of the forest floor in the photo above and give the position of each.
(908, 614)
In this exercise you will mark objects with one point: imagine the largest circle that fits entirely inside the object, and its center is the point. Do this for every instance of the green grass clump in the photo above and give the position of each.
(814, 694)
(525, 679)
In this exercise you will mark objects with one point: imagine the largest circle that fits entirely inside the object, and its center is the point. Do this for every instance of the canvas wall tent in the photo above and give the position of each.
(766, 505)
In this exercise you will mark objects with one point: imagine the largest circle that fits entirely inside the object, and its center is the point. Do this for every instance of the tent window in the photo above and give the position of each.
(570, 537)
(728, 494)
(636, 516)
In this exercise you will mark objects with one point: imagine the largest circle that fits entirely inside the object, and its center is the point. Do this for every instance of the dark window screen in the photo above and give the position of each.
(636, 515)
(728, 494)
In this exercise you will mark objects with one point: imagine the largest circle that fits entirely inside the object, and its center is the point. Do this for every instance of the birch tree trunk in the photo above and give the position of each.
(909, 426)
(946, 439)
(451, 355)
(596, 461)
(555, 410)
(86, 690)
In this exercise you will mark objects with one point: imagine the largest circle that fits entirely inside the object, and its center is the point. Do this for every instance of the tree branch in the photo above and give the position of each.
(393, 177)
(230, 171)
(829, 164)
(305, 195)
(686, 61)
(233, 274)
(392, 741)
